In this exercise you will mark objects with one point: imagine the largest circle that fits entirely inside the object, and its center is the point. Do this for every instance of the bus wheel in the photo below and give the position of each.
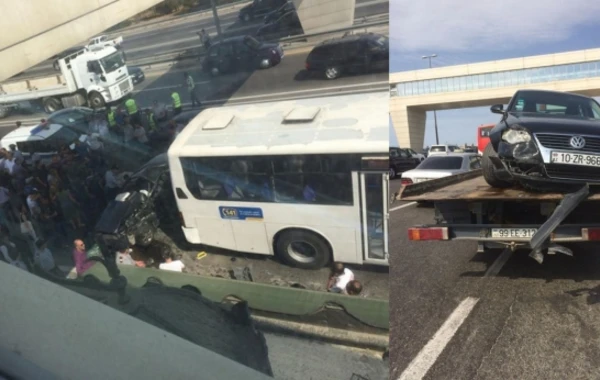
(303, 249)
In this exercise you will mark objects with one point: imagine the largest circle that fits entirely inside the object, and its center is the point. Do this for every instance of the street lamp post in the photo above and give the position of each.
(437, 139)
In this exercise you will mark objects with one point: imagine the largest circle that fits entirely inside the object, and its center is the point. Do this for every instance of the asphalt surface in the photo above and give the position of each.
(175, 36)
(529, 321)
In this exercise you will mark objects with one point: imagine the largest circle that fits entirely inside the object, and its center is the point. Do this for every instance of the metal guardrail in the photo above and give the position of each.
(177, 56)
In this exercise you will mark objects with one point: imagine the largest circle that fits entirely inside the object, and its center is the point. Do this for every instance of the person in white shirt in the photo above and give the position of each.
(170, 264)
(339, 279)
(160, 111)
(94, 143)
(16, 153)
(44, 259)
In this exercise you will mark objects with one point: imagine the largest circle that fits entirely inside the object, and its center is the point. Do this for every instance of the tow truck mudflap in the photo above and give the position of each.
(541, 239)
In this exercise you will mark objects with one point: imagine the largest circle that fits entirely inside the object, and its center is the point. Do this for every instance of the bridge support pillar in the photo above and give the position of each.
(409, 125)
(322, 15)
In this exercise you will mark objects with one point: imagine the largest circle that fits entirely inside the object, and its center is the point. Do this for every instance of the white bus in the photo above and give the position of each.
(305, 180)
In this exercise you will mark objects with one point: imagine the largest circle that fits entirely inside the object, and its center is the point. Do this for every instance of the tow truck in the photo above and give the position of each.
(467, 208)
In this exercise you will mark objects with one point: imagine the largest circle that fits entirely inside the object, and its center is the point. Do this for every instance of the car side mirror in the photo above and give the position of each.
(102, 78)
(498, 108)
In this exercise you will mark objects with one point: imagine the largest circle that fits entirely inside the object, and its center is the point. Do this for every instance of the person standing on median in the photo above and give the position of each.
(132, 110)
(176, 103)
(191, 86)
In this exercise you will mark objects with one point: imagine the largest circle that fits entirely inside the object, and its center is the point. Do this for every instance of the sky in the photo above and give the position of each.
(468, 31)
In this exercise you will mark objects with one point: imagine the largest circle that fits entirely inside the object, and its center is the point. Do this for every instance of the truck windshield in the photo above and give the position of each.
(113, 62)
(441, 163)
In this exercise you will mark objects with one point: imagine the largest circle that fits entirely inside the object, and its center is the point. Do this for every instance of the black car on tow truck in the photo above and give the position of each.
(545, 141)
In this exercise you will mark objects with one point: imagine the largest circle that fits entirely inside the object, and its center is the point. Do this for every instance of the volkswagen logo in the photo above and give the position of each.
(577, 142)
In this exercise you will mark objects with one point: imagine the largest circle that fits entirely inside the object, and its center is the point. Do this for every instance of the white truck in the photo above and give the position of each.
(86, 77)
(104, 41)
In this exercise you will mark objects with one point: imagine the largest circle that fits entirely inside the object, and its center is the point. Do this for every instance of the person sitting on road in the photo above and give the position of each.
(123, 257)
(82, 265)
(339, 279)
(44, 259)
(353, 288)
(170, 264)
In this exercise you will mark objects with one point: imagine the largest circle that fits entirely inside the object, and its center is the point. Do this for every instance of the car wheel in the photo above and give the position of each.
(265, 63)
(303, 249)
(214, 72)
(489, 170)
(392, 173)
(51, 105)
(332, 72)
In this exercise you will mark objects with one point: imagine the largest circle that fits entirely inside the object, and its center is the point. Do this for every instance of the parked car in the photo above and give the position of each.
(286, 25)
(441, 149)
(277, 13)
(401, 160)
(75, 118)
(258, 8)
(420, 156)
(442, 166)
(350, 54)
(136, 74)
(241, 53)
(546, 140)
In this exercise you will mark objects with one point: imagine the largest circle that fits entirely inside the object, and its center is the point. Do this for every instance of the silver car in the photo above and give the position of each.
(438, 166)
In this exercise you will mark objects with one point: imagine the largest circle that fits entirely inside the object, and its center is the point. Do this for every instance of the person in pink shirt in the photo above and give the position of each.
(80, 257)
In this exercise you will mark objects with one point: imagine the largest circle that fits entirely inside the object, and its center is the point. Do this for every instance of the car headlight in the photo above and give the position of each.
(516, 136)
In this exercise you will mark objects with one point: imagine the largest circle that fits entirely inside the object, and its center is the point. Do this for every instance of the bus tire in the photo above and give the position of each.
(51, 105)
(303, 249)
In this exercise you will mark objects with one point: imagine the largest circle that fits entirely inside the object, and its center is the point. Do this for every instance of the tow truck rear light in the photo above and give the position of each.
(590, 234)
(406, 181)
(428, 233)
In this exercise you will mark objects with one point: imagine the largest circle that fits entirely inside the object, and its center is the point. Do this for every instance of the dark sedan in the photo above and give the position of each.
(241, 53)
(136, 74)
(545, 140)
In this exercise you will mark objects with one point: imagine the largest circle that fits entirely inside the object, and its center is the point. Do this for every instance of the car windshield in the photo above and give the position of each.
(113, 62)
(437, 148)
(252, 42)
(555, 104)
(441, 163)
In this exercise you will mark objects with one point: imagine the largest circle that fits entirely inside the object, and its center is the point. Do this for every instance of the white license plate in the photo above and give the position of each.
(417, 180)
(575, 159)
(513, 233)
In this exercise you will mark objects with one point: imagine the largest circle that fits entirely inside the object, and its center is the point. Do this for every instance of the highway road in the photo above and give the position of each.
(456, 314)
(178, 35)
(287, 80)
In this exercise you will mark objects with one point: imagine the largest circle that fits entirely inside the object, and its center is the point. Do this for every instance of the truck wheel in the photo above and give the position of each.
(303, 249)
(96, 100)
(489, 170)
(52, 105)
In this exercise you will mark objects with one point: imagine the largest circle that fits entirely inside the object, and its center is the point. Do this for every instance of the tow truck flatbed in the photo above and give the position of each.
(467, 208)
(471, 186)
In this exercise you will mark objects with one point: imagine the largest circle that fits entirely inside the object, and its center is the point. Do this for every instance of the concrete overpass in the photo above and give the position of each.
(413, 93)
(34, 30)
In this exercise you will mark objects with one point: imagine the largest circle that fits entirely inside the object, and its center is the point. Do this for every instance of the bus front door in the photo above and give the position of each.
(374, 212)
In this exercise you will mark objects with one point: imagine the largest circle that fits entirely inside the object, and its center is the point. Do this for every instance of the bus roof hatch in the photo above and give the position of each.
(219, 121)
(302, 115)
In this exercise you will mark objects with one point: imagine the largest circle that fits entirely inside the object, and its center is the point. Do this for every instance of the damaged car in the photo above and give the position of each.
(145, 201)
(545, 141)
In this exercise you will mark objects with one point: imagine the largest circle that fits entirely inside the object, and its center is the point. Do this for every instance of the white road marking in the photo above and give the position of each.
(497, 265)
(403, 206)
(420, 365)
